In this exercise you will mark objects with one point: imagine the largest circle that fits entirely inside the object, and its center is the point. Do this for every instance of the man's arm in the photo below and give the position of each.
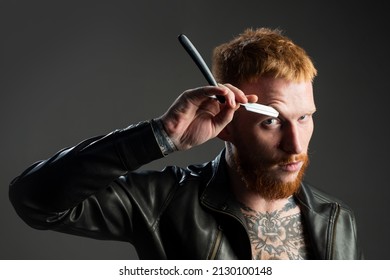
(75, 182)
(73, 174)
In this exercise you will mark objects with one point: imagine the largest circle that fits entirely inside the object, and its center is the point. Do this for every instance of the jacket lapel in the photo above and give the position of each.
(319, 221)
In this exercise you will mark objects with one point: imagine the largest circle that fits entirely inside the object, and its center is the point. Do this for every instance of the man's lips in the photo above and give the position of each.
(291, 166)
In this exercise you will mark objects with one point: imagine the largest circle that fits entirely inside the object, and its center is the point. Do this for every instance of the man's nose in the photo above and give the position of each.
(291, 142)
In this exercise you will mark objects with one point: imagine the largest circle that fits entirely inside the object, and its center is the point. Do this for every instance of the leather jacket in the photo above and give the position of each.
(94, 190)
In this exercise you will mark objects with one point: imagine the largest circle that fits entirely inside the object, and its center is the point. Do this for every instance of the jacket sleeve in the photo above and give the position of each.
(74, 190)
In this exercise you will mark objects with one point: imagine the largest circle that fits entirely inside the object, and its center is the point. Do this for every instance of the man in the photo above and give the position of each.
(248, 203)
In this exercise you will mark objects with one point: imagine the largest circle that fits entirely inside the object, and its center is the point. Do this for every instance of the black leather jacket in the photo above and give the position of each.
(92, 190)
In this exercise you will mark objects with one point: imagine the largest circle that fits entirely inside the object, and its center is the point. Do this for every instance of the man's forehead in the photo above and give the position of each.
(282, 93)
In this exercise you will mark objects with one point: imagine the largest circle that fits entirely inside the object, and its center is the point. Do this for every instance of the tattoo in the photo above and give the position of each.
(291, 204)
(276, 235)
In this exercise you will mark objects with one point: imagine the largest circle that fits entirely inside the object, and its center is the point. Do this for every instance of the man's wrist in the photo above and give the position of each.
(164, 141)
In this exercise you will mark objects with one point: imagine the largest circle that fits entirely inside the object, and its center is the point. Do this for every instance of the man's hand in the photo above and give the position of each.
(195, 118)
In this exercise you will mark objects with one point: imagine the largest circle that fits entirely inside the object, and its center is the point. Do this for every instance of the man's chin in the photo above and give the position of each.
(277, 189)
(287, 177)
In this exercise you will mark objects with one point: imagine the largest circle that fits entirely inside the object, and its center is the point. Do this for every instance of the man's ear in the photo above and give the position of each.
(226, 133)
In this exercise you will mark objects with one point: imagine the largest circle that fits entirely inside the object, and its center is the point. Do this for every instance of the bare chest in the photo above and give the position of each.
(277, 235)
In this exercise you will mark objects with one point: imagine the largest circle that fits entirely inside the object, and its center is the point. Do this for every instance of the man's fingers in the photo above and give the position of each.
(224, 117)
(238, 95)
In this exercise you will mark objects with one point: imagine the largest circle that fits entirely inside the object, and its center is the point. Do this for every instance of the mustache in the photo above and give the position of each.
(291, 159)
(263, 165)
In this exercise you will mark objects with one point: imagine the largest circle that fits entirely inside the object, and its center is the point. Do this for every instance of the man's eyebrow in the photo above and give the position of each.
(307, 112)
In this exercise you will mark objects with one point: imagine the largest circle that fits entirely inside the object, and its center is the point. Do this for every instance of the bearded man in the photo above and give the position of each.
(249, 203)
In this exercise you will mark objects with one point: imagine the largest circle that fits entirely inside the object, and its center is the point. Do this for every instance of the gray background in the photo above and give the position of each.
(72, 70)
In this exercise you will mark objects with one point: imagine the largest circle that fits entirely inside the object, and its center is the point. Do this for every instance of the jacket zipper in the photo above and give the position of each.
(332, 231)
(216, 245)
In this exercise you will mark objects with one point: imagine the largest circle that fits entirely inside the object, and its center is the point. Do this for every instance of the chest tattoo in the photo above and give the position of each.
(278, 234)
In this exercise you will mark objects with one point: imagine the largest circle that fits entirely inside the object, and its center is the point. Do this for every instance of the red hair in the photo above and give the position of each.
(261, 52)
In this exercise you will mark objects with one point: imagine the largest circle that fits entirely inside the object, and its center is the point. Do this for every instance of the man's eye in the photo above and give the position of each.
(304, 117)
(270, 122)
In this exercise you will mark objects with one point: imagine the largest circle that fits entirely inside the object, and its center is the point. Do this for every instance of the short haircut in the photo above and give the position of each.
(261, 52)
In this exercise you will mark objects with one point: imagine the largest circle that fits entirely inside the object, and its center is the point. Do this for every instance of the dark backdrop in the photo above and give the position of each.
(72, 70)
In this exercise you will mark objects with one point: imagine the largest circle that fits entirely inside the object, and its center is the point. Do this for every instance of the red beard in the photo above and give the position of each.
(257, 177)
